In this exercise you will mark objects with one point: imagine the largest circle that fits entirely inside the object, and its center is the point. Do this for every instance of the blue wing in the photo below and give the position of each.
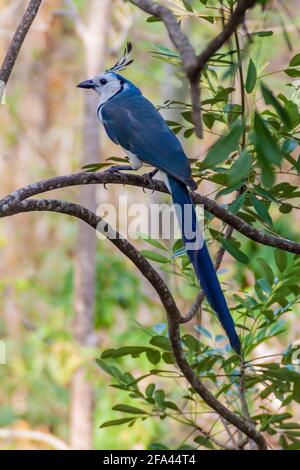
(135, 124)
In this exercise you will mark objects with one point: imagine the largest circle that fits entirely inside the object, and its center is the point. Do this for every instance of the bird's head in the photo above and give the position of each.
(106, 84)
(109, 83)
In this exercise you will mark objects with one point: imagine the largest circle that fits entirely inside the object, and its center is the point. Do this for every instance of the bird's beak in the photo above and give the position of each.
(87, 84)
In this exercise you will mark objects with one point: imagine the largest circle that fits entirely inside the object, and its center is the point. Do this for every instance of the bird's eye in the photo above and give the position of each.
(103, 81)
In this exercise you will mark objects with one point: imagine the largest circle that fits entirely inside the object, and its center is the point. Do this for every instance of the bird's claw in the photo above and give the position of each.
(148, 180)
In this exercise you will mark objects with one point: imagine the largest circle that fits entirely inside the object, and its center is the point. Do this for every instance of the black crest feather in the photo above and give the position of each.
(124, 61)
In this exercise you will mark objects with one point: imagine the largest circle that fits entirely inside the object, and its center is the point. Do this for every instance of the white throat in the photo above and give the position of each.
(110, 90)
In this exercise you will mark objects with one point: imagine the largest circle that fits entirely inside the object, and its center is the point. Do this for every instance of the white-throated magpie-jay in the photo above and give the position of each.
(132, 122)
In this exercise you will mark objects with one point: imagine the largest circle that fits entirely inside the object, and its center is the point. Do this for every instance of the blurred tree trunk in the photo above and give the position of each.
(81, 425)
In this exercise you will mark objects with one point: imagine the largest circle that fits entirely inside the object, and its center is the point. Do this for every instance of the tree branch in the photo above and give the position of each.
(16, 43)
(37, 436)
(194, 64)
(75, 210)
(186, 51)
(236, 19)
(211, 206)
(173, 314)
(80, 27)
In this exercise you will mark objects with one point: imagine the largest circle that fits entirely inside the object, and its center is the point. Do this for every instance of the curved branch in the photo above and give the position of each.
(173, 314)
(211, 206)
(17, 41)
(80, 212)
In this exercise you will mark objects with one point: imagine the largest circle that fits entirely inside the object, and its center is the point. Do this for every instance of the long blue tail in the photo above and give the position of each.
(201, 260)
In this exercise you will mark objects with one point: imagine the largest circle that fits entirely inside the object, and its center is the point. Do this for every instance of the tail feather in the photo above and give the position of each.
(202, 263)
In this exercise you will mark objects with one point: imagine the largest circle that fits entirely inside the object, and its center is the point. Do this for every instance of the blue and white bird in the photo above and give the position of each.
(131, 121)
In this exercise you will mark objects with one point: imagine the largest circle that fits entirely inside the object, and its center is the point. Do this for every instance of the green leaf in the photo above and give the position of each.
(191, 342)
(292, 72)
(116, 422)
(261, 210)
(160, 397)
(129, 409)
(266, 270)
(266, 145)
(187, 6)
(263, 34)
(236, 205)
(204, 441)
(188, 133)
(117, 159)
(93, 167)
(298, 165)
(150, 390)
(296, 390)
(281, 259)
(154, 242)
(171, 405)
(209, 120)
(224, 146)
(168, 358)
(153, 356)
(154, 256)
(251, 77)
(233, 112)
(161, 342)
(153, 19)
(271, 100)
(166, 52)
(286, 208)
(188, 116)
(264, 193)
(111, 370)
(234, 251)
(240, 169)
(295, 61)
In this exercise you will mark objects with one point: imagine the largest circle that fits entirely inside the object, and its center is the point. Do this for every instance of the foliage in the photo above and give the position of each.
(253, 162)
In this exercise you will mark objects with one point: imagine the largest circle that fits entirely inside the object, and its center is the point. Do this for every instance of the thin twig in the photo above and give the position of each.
(17, 41)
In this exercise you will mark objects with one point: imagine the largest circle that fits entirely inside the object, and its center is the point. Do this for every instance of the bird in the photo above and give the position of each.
(132, 121)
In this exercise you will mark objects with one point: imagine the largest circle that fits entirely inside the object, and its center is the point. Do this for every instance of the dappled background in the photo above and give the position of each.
(52, 328)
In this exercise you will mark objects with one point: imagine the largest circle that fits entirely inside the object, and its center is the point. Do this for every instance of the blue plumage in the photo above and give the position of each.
(131, 121)
(204, 267)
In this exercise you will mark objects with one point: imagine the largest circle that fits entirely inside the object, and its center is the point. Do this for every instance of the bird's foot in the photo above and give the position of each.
(148, 179)
(117, 168)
